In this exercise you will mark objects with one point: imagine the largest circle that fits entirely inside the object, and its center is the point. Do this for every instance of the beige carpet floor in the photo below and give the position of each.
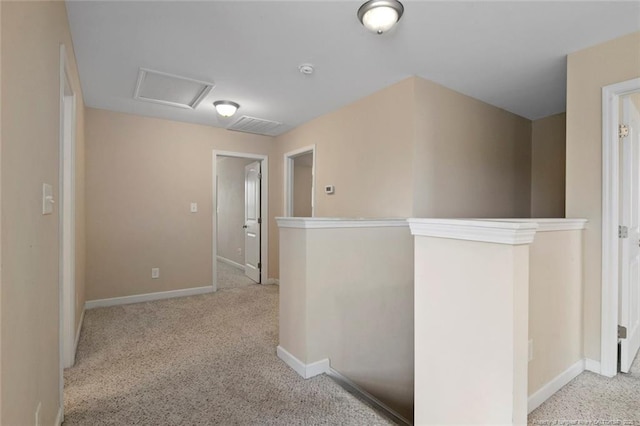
(591, 399)
(232, 277)
(201, 360)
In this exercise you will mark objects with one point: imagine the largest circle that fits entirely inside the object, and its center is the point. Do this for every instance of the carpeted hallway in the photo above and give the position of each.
(591, 399)
(201, 360)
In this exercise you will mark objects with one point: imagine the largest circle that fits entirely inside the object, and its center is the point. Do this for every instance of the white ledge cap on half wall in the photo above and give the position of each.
(339, 222)
(500, 231)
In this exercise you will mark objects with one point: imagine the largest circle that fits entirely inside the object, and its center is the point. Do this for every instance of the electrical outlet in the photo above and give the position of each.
(37, 421)
(155, 273)
(530, 350)
(194, 207)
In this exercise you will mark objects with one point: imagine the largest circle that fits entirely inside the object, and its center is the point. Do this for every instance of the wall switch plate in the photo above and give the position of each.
(47, 199)
(155, 273)
(329, 189)
(194, 207)
(530, 350)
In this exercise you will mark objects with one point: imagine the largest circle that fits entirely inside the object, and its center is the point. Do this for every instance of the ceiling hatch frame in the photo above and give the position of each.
(198, 97)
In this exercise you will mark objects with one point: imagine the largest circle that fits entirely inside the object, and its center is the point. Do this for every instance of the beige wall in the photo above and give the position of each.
(142, 175)
(31, 34)
(555, 305)
(361, 320)
(302, 187)
(587, 72)
(548, 160)
(470, 159)
(231, 208)
(470, 351)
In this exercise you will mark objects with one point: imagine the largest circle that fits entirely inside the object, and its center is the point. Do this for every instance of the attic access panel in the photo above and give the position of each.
(168, 89)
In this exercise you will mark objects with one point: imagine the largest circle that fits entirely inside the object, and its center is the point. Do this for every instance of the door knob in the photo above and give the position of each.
(245, 226)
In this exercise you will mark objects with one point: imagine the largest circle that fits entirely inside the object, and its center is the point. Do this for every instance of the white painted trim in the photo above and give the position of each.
(488, 231)
(305, 370)
(593, 366)
(288, 178)
(264, 228)
(148, 297)
(550, 225)
(610, 221)
(557, 383)
(336, 222)
(59, 416)
(77, 339)
(231, 263)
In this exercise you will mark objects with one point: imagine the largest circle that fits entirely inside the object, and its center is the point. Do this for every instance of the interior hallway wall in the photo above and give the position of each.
(470, 159)
(31, 34)
(587, 72)
(548, 163)
(231, 208)
(142, 175)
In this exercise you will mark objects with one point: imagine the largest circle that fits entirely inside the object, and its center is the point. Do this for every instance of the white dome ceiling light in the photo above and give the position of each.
(226, 108)
(380, 16)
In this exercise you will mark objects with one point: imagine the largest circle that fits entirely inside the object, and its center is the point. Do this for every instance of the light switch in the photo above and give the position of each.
(194, 207)
(47, 199)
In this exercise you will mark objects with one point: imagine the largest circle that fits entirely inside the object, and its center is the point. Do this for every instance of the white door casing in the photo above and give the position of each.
(629, 298)
(610, 252)
(252, 221)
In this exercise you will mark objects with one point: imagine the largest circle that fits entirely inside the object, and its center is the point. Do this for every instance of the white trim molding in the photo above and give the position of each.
(148, 297)
(59, 417)
(545, 392)
(305, 370)
(610, 220)
(337, 222)
(488, 231)
(592, 365)
(230, 262)
(550, 225)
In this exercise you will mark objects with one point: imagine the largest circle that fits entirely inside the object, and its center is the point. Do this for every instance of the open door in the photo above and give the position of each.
(629, 312)
(252, 221)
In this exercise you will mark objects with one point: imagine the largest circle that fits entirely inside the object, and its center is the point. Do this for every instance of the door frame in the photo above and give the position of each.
(610, 220)
(288, 178)
(264, 213)
(66, 221)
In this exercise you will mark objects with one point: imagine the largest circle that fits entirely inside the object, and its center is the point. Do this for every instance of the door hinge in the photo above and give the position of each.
(623, 131)
(259, 175)
(259, 265)
(259, 220)
(622, 332)
(623, 232)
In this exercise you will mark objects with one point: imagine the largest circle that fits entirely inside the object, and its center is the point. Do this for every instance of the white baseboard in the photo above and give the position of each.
(305, 370)
(231, 262)
(101, 303)
(545, 392)
(75, 344)
(59, 417)
(273, 281)
(593, 366)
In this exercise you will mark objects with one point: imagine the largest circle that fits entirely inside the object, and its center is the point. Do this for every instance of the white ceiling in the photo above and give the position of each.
(509, 54)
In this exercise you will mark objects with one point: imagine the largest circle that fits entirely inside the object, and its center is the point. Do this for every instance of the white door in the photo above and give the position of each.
(629, 312)
(252, 221)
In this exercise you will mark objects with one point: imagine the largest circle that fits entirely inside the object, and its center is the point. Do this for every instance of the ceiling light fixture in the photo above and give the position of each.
(226, 108)
(380, 16)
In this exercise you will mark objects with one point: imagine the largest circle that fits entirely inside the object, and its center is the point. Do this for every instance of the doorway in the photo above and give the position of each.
(299, 182)
(620, 322)
(240, 198)
(68, 337)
